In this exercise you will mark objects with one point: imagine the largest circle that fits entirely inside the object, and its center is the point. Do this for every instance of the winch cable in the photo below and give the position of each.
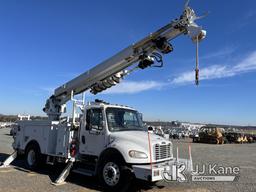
(197, 63)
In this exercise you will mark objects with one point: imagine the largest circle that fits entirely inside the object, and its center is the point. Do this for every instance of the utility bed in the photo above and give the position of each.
(53, 138)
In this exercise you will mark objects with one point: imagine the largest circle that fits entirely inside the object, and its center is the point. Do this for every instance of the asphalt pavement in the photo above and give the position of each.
(18, 178)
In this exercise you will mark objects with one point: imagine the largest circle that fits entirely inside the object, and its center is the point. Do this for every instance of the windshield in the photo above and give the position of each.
(123, 120)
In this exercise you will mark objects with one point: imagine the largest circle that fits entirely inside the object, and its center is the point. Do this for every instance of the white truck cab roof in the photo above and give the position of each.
(103, 104)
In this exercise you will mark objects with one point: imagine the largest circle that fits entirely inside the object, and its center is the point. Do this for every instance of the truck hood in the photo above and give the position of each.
(124, 141)
(139, 138)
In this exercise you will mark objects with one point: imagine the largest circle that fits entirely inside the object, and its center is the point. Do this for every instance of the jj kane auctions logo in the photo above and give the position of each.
(211, 172)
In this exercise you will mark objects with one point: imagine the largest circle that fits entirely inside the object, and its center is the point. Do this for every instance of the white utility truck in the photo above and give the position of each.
(105, 140)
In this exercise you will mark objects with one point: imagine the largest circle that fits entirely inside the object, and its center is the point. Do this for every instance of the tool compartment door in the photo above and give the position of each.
(64, 138)
(39, 131)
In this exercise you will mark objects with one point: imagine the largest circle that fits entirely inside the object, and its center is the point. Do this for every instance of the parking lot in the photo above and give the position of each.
(17, 178)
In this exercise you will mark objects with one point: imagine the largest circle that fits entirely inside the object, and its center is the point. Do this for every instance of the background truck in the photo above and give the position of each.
(102, 139)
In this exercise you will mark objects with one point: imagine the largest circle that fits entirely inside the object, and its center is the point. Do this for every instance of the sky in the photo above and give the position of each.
(45, 43)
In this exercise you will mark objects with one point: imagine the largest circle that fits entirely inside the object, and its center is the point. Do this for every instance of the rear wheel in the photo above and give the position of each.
(33, 157)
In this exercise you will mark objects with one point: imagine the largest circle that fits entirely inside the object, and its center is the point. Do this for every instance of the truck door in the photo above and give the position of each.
(92, 135)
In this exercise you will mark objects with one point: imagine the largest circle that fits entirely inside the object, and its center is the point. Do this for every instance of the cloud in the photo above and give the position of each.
(249, 14)
(246, 19)
(130, 87)
(124, 87)
(220, 53)
(248, 64)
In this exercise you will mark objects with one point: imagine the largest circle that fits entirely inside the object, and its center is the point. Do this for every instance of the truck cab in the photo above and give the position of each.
(120, 127)
(114, 136)
(102, 120)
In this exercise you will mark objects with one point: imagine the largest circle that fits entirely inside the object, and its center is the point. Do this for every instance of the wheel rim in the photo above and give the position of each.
(31, 158)
(111, 174)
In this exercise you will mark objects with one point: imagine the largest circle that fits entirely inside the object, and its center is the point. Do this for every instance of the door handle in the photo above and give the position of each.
(83, 139)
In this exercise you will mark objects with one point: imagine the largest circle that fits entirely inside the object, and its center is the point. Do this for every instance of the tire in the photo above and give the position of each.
(113, 176)
(33, 157)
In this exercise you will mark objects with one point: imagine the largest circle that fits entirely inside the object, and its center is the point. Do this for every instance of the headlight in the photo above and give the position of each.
(137, 154)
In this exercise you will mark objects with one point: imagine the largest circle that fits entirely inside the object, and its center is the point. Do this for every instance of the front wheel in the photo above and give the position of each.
(113, 176)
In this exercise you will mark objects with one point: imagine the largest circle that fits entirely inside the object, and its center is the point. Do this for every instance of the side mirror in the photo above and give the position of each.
(88, 123)
(141, 116)
(150, 128)
(102, 123)
(63, 109)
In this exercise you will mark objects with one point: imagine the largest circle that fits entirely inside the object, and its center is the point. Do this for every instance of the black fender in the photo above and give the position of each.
(108, 153)
(32, 142)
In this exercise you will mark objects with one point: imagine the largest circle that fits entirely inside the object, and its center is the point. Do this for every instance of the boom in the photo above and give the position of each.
(145, 52)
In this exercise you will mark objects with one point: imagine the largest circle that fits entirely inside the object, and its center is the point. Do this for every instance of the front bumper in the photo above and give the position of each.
(154, 172)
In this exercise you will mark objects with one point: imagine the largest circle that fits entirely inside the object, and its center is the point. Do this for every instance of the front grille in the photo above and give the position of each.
(162, 151)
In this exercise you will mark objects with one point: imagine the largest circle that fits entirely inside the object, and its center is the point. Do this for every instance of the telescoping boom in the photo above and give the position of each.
(144, 53)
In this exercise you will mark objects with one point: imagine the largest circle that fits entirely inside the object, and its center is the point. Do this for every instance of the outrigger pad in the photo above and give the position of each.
(64, 174)
(9, 160)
